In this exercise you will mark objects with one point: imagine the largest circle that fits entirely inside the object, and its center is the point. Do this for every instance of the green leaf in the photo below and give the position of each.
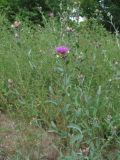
(76, 138)
(75, 127)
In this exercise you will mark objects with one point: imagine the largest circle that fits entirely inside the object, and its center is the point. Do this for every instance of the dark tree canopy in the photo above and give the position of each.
(104, 6)
(30, 9)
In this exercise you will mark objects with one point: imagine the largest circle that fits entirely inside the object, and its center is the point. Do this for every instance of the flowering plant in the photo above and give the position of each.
(16, 24)
(62, 50)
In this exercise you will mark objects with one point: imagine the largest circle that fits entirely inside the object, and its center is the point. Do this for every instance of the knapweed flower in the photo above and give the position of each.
(62, 50)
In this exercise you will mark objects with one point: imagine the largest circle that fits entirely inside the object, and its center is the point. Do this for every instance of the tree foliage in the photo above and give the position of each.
(31, 9)
(105, 8)
(113, 7)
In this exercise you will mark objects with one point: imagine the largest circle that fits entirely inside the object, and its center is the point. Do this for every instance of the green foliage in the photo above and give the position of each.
(93, 8)
(76, 97)
(113, 7)
(30, 9)
(24, 8)
(89, 7)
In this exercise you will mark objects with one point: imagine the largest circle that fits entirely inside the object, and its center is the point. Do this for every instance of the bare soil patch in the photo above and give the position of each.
(32, 142)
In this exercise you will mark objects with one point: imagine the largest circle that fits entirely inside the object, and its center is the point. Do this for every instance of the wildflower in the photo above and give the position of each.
(16, 35)
(108, 14)
(16, 24)
(51, 14)
(57, 56)
(86, 151)
(39, 9)
(62, 50)
(10, 83)
(77, 19)
(69, 29)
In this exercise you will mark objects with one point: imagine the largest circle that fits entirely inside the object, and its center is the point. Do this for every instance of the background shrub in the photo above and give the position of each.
(31, 9)
(91, 8)
(100, 9)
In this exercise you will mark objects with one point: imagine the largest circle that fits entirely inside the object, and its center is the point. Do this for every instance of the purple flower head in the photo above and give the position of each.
(62, 50)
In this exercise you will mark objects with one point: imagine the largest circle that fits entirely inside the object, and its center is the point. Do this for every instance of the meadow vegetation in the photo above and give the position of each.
(77, 97)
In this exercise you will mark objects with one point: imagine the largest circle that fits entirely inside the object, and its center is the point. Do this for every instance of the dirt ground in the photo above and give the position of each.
(30, 142)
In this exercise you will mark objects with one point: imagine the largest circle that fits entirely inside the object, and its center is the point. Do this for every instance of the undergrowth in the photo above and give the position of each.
(78, 97)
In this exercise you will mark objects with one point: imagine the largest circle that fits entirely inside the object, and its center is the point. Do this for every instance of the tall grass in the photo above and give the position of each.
(78, 98)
